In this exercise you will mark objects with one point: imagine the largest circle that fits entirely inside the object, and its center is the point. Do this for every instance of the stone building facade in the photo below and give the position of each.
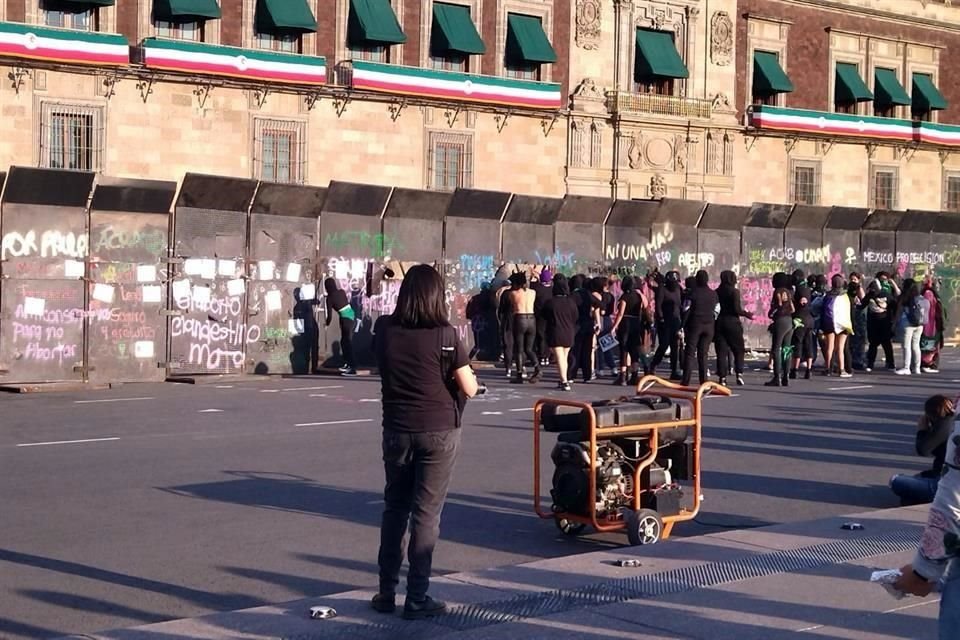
(729, 101)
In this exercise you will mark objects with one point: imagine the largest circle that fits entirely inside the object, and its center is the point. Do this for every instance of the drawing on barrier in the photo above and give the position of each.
(363, 243)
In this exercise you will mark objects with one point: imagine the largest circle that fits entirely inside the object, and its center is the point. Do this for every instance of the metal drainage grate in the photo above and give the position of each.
(538, 605)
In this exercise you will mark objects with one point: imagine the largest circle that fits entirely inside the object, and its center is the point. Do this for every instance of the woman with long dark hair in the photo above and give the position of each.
(667, 318)
(426, 378)
(560, 314)
(728, 336)
(628, 329)
(338, 304)
(781, 313)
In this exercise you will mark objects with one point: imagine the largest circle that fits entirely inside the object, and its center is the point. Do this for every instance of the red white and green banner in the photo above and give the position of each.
(838, 124)
(62, 45)
(247, 64)
(942, 135)
(449, 85)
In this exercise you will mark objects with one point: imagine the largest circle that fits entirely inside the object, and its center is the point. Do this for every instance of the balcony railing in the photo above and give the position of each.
(653, 104)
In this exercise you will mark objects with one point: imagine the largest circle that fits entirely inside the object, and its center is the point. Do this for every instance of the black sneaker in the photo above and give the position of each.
(634, 379)
(565, 386)
(426, 608)
(384, 603)
(740, 381)
(621, 381)
(350, 372)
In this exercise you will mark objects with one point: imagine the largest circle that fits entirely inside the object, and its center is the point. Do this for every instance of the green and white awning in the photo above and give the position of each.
(526, 40)
(294, 16)
(926, 95)
(887, 89)
(768, 76)
(186, 10)
(454, 30)
(850, 87)
(373, 21)
(657, 56)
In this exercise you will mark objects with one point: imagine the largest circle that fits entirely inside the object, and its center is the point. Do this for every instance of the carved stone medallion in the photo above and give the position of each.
(588, 24)
(721, 38)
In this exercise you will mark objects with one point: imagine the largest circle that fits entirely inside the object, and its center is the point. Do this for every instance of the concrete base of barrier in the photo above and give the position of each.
(53, 387)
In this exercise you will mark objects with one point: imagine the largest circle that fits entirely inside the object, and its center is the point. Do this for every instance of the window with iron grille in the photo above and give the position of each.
(71, 136)
(521, 70)
(370, 53)
(449, 62)
(450, 162)
(884, 187)
(951, 195)
(805, 182)
(69, 15)
(190, 31)
(280, 151)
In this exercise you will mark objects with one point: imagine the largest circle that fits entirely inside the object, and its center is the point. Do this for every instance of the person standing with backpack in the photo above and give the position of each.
(916, 309)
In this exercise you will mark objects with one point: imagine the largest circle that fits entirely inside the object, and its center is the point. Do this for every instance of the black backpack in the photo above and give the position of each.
(915, 313)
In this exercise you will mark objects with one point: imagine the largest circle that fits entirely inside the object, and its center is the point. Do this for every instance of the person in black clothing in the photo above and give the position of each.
(543, 287)
(729, 330)
(933, 431)
(698, 324)
(880, 302)
(629, 331)
(781, 312)
(505, 318)
(667, 320)
(338, 304)
(608, 309)
(560, 313)
(804, 335)
(306, 355)
(426, 378)
(855, 347)
(588, 325)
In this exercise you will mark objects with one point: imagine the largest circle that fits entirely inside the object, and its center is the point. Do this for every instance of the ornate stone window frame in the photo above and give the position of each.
(875, 168)
(897, 62)
(107, 16)
(211, 28)
(948, 176)
(766, 34)
(913, 65)
(249, 40)
(342, 14)
(843, 54)
(426, 30)
(661, 16)
(542, 9)
(805, 162)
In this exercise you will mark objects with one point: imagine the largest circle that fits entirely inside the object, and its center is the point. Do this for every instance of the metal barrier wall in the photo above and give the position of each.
(675, 230)
(878, 241)
(841, 234)
(43, 252)
(628, 248)
(127, 268)
(208, 287)
(284, 239)
(528, 234)
(579, 233)
(762, 255)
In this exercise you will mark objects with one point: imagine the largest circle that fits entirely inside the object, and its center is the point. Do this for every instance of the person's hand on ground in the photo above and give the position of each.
(910, 582)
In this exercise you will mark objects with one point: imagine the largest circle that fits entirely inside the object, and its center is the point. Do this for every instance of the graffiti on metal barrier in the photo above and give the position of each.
(50, 243)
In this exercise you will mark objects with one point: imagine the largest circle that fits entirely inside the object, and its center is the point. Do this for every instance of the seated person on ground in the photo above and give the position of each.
(933, 430)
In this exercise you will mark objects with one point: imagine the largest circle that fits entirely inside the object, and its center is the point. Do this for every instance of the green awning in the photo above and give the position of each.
(285, 16)
(657, 56)
(80, 4)
(526, 40)
(850, 87)
(185, 10)
(768, 76)
(887, 88)
(926, 96)
(374, 21)
(453, 30)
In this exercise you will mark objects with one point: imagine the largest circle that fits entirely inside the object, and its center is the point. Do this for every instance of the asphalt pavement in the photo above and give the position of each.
(154, 502)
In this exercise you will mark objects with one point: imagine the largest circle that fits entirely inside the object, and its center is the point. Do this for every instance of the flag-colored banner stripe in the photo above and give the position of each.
(405, 81)
(236, 63)
(822, 123)
(938, 135)
(65, 46)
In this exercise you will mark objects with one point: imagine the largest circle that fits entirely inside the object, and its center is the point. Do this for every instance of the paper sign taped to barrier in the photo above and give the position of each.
(181, 289)
(73, 269)
(143, 349)
(293, 272)
(295, 326)
(308, 291)
(607, 342)
(192, 266)
(273, 300)
(265, 269)
(103, 292)
(33, 306)
(147, 273)
(341, 270)
(208, 269)
(152, 293)
(227, 268)
(236, 287)
(201, 295)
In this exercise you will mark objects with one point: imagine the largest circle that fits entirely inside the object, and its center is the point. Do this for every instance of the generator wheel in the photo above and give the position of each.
(644, 527)
(569, 527)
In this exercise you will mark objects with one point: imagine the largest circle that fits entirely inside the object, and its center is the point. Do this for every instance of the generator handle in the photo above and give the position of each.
(537, 422)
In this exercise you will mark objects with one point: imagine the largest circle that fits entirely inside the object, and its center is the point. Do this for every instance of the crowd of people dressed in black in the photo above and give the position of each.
(624, 327)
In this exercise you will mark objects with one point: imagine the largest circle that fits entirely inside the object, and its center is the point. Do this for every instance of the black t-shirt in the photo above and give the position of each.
(586, 303)
(634, 305)
(608, 303)
(668, 303)
(336, 301)
(416, 395)
(544, 293)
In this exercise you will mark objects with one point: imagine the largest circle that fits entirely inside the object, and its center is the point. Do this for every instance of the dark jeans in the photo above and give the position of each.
(346, 341)
(729, 341)
(667, 337)
(782, 336)
(581, 356)
(804, 343)
(630, 335)
(542, 348)
(418, 469)
(880, 334)
(524, 336)
(914, 489)
(697, 351)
